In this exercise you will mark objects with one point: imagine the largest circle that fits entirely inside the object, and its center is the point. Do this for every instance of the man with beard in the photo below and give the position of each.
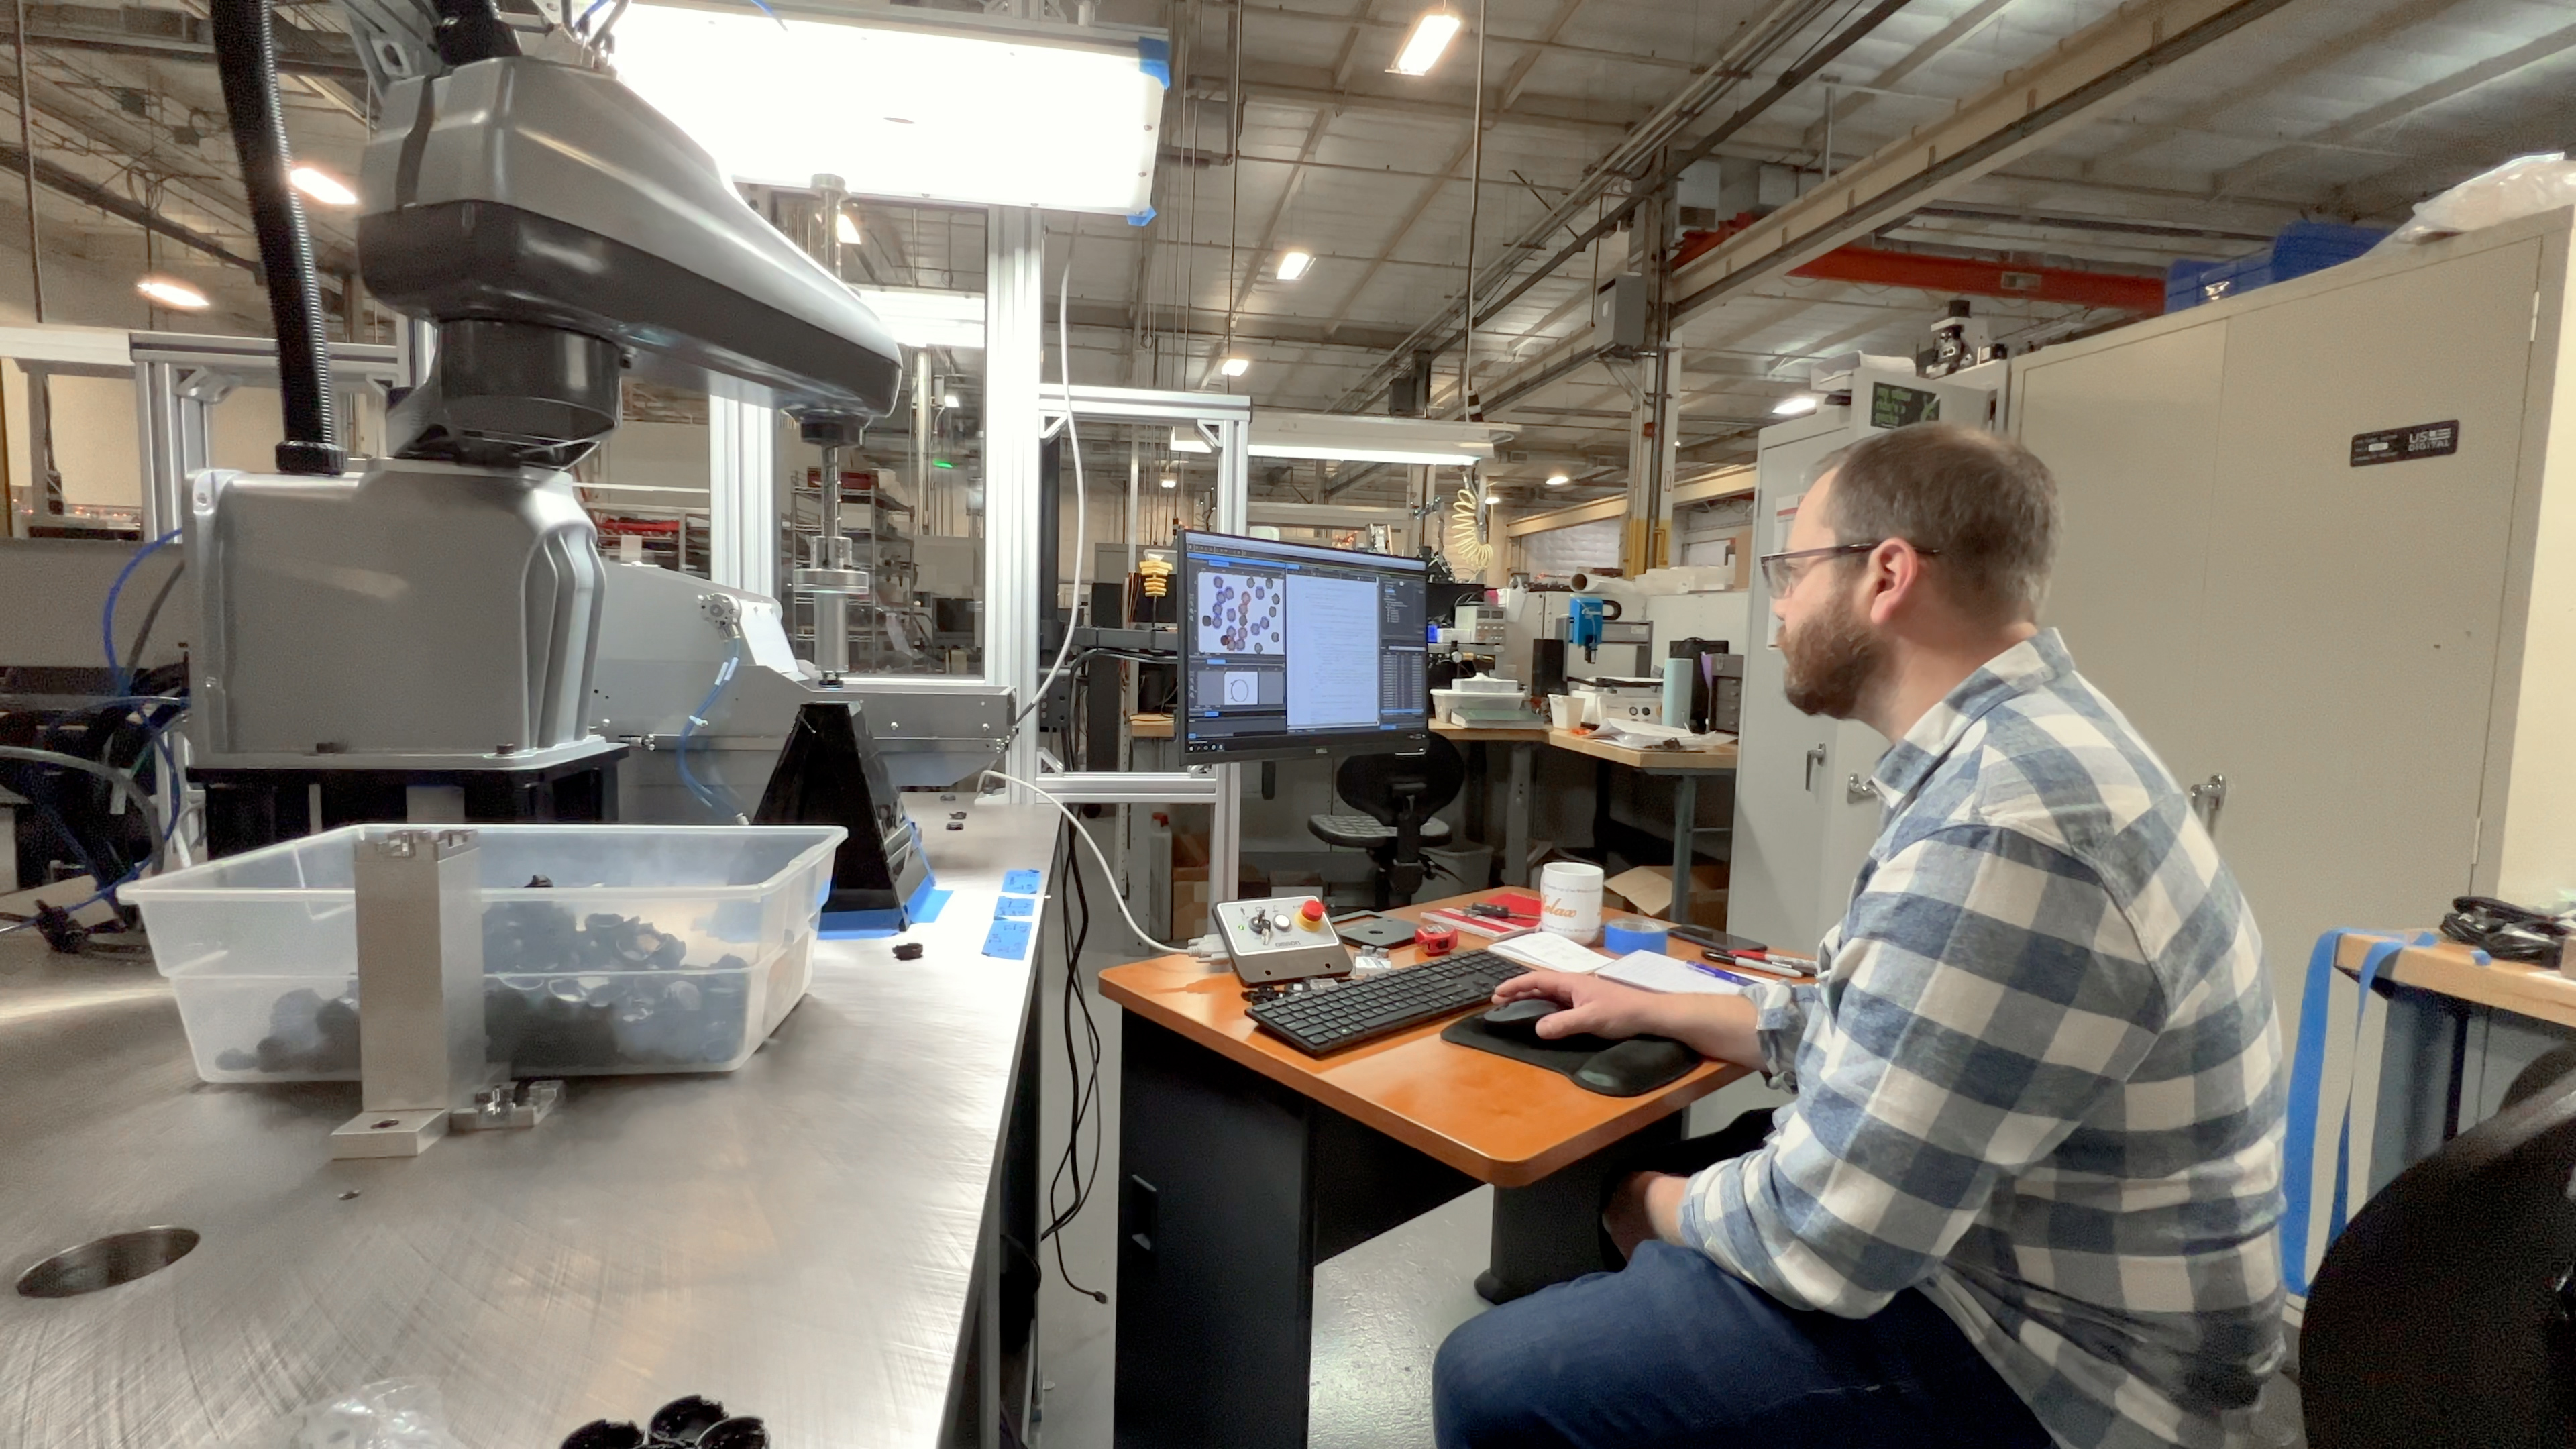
(2027, 1189)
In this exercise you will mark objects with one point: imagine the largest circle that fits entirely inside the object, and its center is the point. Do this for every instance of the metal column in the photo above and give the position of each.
(1014, 337)
(742, 496)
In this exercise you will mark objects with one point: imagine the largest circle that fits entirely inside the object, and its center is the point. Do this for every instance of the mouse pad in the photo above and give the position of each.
(1565, 1055)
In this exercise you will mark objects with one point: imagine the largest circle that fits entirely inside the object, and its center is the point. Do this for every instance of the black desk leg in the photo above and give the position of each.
(1550, 1231)
(1231, 1189)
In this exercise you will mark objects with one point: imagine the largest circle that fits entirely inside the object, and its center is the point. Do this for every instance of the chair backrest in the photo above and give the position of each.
(1375, 785)
(2441, 1317)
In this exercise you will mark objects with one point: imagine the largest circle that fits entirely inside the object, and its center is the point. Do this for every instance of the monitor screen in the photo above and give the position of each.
(1294, 649)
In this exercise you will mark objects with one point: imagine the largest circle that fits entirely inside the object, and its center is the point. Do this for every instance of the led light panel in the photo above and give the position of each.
(1010, 114)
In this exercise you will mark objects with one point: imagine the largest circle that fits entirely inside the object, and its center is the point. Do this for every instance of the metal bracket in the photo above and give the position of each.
(1857, 788)
(2207, 798)
(507, 1106)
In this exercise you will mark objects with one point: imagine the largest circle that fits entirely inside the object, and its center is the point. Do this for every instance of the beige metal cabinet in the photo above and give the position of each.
(2344, 646)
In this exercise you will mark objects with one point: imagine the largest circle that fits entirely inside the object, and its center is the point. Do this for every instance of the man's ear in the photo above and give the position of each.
(1894, 574)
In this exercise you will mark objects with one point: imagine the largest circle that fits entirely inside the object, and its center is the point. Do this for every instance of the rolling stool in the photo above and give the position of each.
(1396, 795)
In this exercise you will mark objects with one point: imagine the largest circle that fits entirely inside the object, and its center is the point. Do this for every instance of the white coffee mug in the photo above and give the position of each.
(1569, 900)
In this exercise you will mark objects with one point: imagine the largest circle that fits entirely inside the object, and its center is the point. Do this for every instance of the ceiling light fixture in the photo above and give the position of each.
(1235, 366)
(925, 316)
(1293, 264)
(770, 97)
(322, 186)
(1799, 405)
(1431, 36)
(1558, 480)
(1171, 482)
(948, 399)
(1491, 497)
(846, 228)
(1355, 438)
(172, 294)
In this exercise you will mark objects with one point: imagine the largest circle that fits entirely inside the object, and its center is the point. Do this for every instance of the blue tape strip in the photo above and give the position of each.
(2307, 1077)
(860, 925)
(1154, 58)
(1141, 218)
(927, 901)
(1016, 906)
(1009, 940)
(1022, 883)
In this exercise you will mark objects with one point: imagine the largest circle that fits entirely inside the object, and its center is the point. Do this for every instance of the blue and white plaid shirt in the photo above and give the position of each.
(2039, 1078)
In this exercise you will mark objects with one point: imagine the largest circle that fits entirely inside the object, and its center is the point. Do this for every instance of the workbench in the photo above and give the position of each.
(1686, 768)
(814, 1239)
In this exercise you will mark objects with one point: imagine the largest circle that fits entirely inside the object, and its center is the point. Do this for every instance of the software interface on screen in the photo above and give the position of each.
(1289, 641)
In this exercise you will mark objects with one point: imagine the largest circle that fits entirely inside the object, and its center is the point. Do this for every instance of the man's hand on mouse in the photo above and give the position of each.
(1589, 1005)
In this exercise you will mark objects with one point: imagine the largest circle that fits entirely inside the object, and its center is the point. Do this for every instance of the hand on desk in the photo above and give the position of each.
(1714, 1026)
(1591, 1005)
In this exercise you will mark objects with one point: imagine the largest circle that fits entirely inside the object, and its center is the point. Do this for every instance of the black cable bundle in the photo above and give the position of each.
(1086, 1093)
(2504, 930)
(246, 58)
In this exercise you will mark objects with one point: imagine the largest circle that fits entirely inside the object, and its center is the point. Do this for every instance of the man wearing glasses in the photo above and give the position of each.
(2027, 1189)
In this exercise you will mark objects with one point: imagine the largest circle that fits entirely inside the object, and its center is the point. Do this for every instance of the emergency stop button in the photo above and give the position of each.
(1312, 913)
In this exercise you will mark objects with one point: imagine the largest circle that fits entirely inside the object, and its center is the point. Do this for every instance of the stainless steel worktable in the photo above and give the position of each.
(796, 1239)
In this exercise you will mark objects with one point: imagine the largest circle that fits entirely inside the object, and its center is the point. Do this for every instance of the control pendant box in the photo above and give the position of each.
(1284, 938)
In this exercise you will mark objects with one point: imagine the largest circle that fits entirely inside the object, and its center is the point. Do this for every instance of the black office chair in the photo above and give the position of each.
(1397, 795)
(2442, 1315)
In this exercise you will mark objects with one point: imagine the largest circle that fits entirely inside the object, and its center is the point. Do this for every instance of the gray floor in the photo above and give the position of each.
(1381, 1309)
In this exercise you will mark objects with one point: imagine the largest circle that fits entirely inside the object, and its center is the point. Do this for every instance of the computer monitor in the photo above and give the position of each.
(1292, 649)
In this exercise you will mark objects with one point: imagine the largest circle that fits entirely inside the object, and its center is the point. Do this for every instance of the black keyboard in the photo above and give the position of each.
(1329, 1018)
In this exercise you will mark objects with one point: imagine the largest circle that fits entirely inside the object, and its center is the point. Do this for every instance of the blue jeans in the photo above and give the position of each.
(1676, 1351)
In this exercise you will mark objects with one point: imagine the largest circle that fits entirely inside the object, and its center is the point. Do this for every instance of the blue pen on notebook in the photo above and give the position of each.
(1723, 975)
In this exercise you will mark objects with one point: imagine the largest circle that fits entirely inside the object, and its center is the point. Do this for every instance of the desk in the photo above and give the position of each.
(1686, 767)
(1243, 1162)
(2457, 1035)
(815, 1238)
(1522, 742)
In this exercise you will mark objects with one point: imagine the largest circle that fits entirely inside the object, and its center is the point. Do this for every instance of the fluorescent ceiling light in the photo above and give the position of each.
(1187, 440)
(845, 227)
(1431, 35)
(322, 186)
(1790, 407)
(1558, 480)
(956, 107)
(1235, 366)
(920, 317)
(1277, 433)
(948, 399)
(1171, 482)
(172, 294)
(1293, 264)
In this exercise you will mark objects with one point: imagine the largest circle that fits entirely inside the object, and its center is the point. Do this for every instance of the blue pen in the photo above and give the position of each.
(1703, 966)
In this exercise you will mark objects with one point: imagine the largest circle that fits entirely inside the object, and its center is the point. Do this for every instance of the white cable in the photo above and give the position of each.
(1081, 503)
(1108, 876)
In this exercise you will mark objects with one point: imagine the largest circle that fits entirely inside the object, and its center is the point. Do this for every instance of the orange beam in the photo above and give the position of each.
(1961, 276)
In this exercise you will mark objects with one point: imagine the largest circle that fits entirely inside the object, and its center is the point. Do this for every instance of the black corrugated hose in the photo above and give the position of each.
(246, 57)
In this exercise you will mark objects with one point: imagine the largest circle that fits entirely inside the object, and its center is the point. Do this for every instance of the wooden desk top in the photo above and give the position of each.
(1653, 762)
(1495, 1119)
(2447, 968)
(1532, 733)
(1149, 726)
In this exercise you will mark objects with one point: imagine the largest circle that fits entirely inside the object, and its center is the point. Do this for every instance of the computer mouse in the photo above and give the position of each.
(1639, 1065)
(1519, 1019)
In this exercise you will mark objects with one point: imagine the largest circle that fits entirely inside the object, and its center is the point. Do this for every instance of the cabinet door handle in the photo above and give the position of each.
(2207, 798)
(1815, 762)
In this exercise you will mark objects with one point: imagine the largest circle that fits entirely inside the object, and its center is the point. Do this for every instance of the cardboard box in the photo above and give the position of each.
(1190, 899)
(1648, 891)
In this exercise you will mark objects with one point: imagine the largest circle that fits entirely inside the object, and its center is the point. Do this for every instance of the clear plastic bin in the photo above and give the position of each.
(656, 948)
